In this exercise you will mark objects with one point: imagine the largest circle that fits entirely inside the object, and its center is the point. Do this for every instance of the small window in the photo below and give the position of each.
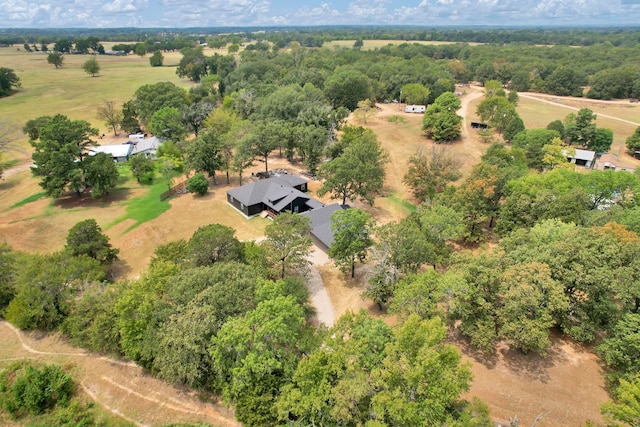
(296, 209)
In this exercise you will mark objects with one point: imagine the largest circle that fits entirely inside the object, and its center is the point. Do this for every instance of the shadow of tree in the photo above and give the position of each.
(532, 366)
(488, 359)
(84, 201)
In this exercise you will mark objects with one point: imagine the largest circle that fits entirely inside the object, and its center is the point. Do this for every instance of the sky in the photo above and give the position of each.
(268, 13)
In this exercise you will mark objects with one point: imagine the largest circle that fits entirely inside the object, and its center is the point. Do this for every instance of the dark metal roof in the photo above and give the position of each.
(321, 222)
(276, 192)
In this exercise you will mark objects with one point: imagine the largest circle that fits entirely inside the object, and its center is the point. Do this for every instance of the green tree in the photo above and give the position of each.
(192, 65)
(580, 129)
(141, 167)
(512, 128)
(87, 238)
(351, 238)
(194, 115)
(220, 292)
(420, 378)
(100, 174)
(333, 384)
(475, 298)
(8, 270)
(558, 126)
(268, 136)
(429, 173)
(204, 154)
(532, 142)
(111, 116)
(45, 285)
(602, 140)
(626, 408)
(531, 304)
(312, 141)
(441, 225)
(633, 142)
(8, 81)
(366, 111)
(415, 93)
(345, 87)
(92, 322)
(288, 242)
(565, 81)
(621, 350)
(419, 294)
(440, 122)
(33, 126)
(91, 66)
(59, 153)
(497, 111)
(56, 59)
(150, 98)
(555, 155)
(198, 184)
(214, 243)
(358, 173)
(167, 123)
(254, 355)
(129, 122)
(157, 59)
(243, 153)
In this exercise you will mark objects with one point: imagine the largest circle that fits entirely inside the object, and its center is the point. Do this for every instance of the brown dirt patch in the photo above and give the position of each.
(120, 387)
(567, 385)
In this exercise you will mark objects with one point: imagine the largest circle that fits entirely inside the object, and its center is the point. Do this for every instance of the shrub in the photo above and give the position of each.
(198, 184)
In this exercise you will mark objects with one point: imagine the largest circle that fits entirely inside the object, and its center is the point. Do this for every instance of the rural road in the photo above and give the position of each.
(317, 292)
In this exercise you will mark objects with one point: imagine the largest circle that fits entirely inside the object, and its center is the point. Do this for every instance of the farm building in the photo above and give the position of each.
(119, 153)
(321, 232)
(274, 195)
(415, 109)
(146, 146)
(582, 158)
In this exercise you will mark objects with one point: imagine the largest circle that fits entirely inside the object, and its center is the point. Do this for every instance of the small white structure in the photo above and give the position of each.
(415, 109)
(136, 137)
(119, 153)
(582, 158)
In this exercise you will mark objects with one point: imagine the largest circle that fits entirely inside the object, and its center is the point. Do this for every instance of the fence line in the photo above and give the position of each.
(176, 189)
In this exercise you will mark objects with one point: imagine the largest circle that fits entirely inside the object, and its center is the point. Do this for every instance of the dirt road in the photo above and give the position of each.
(122, 388)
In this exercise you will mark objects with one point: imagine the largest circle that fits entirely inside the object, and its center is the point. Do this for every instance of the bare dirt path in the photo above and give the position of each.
(122, 388)
(16, 169)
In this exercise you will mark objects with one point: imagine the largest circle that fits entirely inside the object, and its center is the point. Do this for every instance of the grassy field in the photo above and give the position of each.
(375, 44)
(70, 91)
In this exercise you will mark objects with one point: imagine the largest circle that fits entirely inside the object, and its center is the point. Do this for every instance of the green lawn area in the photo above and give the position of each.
(144, 208)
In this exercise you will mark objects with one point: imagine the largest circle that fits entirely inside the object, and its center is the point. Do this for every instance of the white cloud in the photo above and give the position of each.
(183, 13)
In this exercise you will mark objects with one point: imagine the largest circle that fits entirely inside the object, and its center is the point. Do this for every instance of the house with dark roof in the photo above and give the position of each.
(274, 195)
(321, 232)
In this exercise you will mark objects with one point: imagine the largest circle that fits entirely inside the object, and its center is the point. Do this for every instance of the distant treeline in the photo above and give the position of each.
(316, 36)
